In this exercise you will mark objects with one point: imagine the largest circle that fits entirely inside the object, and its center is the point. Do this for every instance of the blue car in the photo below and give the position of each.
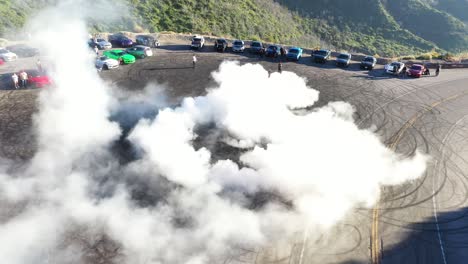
(294, 53)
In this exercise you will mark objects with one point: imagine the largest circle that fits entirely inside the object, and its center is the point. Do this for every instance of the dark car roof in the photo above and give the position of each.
(119, 37)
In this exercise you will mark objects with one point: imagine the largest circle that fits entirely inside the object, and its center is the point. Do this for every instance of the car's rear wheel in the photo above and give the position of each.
(105, 67)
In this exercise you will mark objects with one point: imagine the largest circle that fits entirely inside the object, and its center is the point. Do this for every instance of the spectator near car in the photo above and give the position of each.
(256, 47)
(273, 51)
(221, 45)
(198, 42)
(343, 59)
(140, 52)
(119, 40)
(147, 40)
(238, 46)
(294, 53)
(368, 63)
(23, 76)
(321, 56)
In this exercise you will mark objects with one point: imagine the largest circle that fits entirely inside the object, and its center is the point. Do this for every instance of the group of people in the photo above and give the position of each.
(21, 79)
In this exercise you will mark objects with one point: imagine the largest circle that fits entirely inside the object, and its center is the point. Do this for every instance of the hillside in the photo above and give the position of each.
(422, 24)
(384, 27)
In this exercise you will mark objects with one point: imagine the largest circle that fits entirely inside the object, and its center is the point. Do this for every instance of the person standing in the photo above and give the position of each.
(23, 78)
(39, 65)
(14, 78)
(280, 67)
(96, 50)
(194, 61)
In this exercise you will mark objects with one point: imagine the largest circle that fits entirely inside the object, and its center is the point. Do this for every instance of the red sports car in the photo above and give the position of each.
(38, 79)
(416, 70)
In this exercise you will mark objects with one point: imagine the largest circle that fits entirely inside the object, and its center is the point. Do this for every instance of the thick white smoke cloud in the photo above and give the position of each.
(178, 203)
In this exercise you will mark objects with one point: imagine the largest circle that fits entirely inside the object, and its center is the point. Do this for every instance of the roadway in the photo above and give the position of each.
(423, 221)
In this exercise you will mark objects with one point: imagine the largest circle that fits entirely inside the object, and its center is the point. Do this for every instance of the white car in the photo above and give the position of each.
(103, 44)
(197, 42)
(390, 68)
(105, 63)
(238, 46)
(7, 55)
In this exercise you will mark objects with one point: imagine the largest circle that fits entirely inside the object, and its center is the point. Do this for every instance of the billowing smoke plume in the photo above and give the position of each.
(179, 200)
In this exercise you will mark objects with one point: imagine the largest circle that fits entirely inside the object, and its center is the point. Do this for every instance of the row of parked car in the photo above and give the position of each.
(112, 58)
(293, 53)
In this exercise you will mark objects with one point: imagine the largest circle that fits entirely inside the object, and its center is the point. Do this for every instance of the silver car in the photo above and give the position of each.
(7, 55)
(238, 46)
(106, 63)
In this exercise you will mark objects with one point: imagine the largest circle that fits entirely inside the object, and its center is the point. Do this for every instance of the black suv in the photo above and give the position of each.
(221, 45)
(321, 56)
(147, 40)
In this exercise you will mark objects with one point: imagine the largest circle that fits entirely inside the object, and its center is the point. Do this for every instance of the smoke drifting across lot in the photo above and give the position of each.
(74, 202)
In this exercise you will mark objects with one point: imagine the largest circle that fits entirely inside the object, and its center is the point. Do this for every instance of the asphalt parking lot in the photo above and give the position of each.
(426, 114)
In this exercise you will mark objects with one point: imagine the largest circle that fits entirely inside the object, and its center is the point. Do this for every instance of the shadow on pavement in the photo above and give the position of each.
(428, 242)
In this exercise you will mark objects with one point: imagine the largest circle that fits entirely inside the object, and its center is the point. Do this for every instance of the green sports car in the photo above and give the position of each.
(120, 55)
(140, 52)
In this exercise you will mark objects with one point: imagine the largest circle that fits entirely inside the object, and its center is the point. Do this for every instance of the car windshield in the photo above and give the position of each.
(395, 64)
(3, 51)
(103, 58)
(256, 44)
(369, 59)
(196, 39)
(293, 51)
(416, 67)
(238, 43)
(343, 56)
(272, 47)
(120, 53)
(101, 40)
(321, 52)
(220, 41)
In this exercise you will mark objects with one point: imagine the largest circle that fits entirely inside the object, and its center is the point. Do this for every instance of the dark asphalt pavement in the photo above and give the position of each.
(424, 221)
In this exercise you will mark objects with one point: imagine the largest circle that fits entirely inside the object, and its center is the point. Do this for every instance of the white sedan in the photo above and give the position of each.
(394, 67)
(104, 63)
(7, 55)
